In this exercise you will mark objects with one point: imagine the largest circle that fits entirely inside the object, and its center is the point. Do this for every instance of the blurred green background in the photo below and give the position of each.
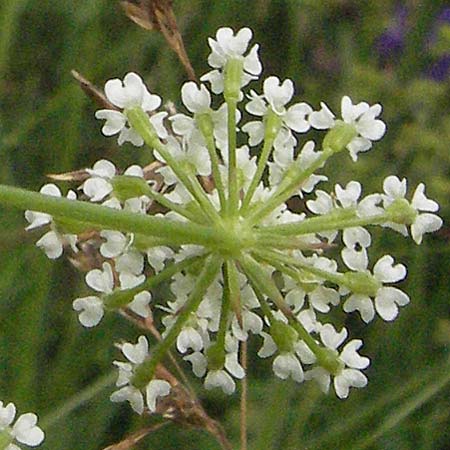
(395, 53)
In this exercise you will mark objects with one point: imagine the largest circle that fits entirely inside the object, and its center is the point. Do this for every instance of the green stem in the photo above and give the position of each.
(271, 255)
(206, 127)
(233, 193)
(322, 223)
(259, 277)
(177, 233)
(140, 121)
(289, 185)
(272, 127)
(120, 298)
(225, 307)
(144, 372)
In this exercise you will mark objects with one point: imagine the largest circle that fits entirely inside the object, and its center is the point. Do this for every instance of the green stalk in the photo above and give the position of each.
(205, 125)
(272, 127)
(290, 184)
(259, 278)
(144, 372)
(321, 223)
(121, 297)
(140, 121)
(233, 193)
(225, 308)
(270, 255)
(176, 233)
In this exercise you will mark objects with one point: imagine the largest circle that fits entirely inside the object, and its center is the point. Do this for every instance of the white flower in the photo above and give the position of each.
(286, 364)
(52, 242)
(362, 116)
(276, 96)
(349, 375)
(354, 254)
(228, 46)
(25, 431)
(192, 154)
(135, 354)
(98, 186)
(91, 308)
(423, 223)
(130, 93)
(387, 298)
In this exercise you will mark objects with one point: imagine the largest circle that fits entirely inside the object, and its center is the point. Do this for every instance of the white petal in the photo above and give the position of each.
(394, 188)
(354, 259)
(132, 395)
(91, 310)
(347, 379)
(189, 338)
(386, 272)
(199, 363)
(287, 365)
(51, 244)
(115, 121)
(26, 431)
(155, 389)
(331, 338)
(252, 64)
(360, 303)
(136, 353)
(97, 188)
(278, 94)
(219, 378)
(425, 223)
(295, 117)
(101, 280)
(371, 129)
(268, 348)
(140, 303)
(323, 119)
(387, 300)
(350, 356)
(421, 202)
(196, 100)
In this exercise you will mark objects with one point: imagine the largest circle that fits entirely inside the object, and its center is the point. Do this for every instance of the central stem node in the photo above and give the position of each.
(233, 236)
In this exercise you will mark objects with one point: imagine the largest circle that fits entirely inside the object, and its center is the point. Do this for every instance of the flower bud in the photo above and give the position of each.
(401, 211)
(339, 136)
(126, 186)
(234, 70)
(215, 356)
(283, 335)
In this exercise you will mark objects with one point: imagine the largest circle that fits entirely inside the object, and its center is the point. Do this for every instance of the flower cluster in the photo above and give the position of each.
(24, 430)
(217, 229)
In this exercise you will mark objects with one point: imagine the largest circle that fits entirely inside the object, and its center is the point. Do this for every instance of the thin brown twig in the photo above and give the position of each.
(132, 440)
(244, 386)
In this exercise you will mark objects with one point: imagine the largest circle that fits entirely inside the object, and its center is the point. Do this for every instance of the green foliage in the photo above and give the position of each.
(50, 365)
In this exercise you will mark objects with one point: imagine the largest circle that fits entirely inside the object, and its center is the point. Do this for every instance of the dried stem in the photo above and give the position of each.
(132, 440)
(158, 15)
(244, 385)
